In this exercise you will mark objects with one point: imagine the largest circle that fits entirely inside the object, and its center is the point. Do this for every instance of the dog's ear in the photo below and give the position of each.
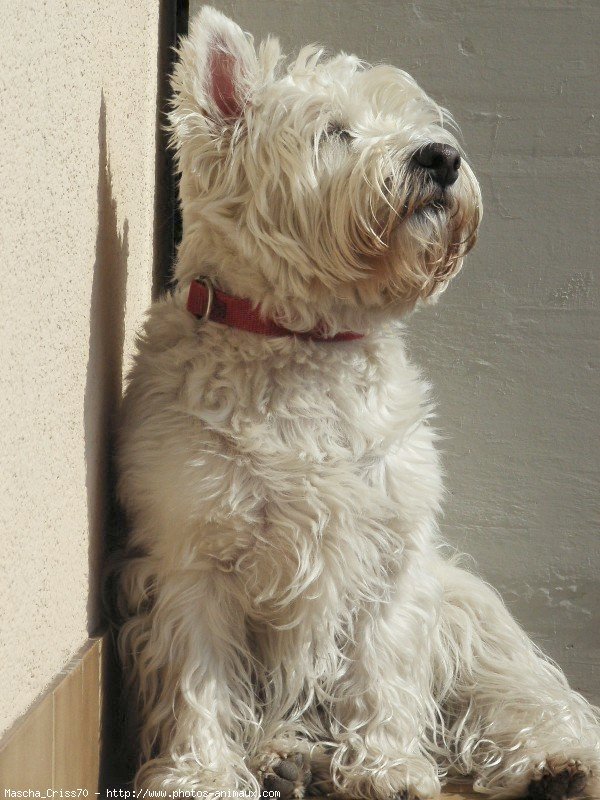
(213, 78)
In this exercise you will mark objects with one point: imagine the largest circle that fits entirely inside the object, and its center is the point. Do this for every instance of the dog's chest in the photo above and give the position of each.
(324, 453)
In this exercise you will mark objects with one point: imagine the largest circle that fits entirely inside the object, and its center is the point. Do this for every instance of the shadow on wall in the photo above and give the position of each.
(104, 372)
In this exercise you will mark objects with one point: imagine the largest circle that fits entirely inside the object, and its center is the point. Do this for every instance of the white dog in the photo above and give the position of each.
(293, 624)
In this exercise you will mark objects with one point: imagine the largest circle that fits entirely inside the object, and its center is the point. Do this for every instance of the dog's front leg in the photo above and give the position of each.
(383, 713)
(194, 680)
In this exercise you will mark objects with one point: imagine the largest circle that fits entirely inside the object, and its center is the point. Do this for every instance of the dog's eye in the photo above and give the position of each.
(337, 131)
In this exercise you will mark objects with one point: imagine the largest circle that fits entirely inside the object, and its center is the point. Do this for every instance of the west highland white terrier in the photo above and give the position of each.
(293, 625)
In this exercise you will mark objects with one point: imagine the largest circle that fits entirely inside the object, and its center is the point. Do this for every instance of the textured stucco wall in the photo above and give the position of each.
(513, 347)
(77, 157)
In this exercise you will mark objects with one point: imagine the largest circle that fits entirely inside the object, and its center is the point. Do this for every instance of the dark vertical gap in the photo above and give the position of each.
(182, 21)
(119, 740)
(173, 21)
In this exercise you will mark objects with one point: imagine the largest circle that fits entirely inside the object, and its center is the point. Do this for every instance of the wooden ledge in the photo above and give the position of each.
(56, 744)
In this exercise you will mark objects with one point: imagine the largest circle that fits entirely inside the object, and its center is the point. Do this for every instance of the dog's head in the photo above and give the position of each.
(327, 192)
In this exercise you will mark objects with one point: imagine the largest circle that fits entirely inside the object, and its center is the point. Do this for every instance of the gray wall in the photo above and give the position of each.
(512, 348)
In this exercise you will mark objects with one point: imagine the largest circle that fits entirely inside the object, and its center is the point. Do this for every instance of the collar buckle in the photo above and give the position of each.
(210, 298)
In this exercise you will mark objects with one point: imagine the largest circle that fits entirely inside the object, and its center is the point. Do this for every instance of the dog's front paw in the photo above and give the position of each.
(286, 774)
(420, 792)
(406, 794)
(559, 781)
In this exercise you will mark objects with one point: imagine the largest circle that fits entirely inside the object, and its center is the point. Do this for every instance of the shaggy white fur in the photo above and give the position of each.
(292, 620)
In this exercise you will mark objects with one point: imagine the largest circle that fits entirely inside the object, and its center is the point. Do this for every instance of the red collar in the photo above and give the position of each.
(208, 303)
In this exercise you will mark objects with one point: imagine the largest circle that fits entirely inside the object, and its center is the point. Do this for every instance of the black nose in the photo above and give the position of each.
(441, 161)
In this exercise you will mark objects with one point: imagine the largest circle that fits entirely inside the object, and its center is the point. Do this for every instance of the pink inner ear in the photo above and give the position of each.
(222, 70)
